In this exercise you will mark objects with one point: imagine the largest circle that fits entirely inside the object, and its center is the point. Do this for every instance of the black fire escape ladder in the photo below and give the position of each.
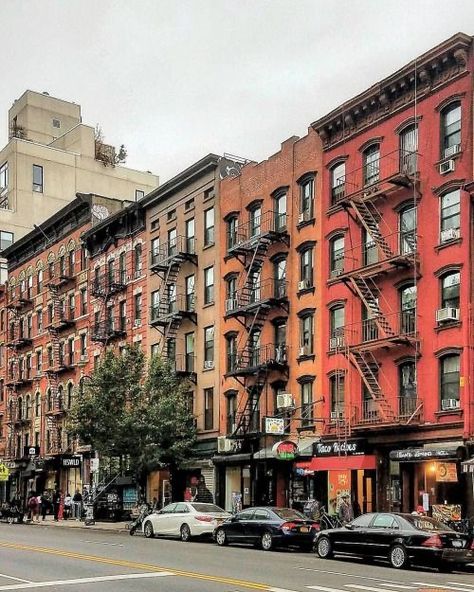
(365, 292)
(369, 217)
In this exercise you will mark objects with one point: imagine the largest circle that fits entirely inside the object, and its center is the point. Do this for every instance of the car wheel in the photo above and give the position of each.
(324, 547)
(266, 541)
(185, 533)
(221, 537)
(398, 557)
(148, 530)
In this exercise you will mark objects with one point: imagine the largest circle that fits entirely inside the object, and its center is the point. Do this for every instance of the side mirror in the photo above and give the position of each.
(349, 526)
(234, 519)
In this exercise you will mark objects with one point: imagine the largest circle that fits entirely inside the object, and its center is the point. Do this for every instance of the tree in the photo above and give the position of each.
(106, 153)
(136, 412)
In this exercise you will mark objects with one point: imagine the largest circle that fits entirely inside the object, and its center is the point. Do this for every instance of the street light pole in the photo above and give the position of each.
(89, 501)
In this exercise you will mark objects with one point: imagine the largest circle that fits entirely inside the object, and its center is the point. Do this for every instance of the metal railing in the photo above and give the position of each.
(181, 304)
(403, 324)
(171, 250)
(370, 412)
(261, 356)
(249, 232)
(109, 283)
(270, 289)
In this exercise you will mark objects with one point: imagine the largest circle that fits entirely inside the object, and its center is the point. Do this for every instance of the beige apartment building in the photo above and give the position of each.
(50, 156)
(183, 285)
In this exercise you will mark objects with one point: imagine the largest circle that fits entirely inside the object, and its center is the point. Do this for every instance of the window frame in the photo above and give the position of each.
(445, 144)
(445, 384)
(209, 285)
(38, 187)
(209, 408)
(209, 227)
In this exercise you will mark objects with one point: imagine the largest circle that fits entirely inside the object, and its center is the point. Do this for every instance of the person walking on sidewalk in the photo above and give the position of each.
(77, 505)
(56, 504)
(45, 504)
(33, 507)
(67, 506)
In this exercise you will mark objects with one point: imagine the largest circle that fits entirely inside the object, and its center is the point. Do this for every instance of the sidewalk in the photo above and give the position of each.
(106, 526)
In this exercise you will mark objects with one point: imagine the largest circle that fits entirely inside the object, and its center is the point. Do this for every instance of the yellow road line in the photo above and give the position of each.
(136, 565)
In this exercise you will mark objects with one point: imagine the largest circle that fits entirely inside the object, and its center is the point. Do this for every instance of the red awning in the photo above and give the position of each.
(337, 463)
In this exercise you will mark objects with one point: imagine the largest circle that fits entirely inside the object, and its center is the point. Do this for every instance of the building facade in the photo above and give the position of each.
(397, 337)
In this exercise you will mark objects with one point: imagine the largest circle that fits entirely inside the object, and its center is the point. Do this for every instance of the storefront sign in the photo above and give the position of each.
(285, 450)
(71, 462)
(274, 426)
(335, 448)
(446, 472)
(339, 484)
(94, 465)
(31, 451)
(4, 472)
(419, 454)
(446, 512)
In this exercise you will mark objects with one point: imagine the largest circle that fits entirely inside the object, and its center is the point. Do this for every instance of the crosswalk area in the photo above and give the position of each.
(389, 586)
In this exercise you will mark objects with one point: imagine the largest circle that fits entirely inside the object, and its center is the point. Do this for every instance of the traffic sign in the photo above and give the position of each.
(4, 472)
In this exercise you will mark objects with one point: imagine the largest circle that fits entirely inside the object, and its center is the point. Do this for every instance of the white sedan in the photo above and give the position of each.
(185, 520)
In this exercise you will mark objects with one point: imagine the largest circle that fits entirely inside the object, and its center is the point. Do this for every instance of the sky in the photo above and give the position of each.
(176, 79)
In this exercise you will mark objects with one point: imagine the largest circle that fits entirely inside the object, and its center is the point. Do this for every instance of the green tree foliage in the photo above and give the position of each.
(134, 411)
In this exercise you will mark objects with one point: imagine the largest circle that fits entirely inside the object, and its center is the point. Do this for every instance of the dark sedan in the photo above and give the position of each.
(268, 528)
(400, 538)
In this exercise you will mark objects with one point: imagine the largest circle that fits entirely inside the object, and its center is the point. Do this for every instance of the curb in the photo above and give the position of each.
(82, 527)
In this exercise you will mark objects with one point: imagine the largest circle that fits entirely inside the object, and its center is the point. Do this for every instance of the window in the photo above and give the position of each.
(450, 215)
(6, 239)
(450, 130)
(306, 268)
(232, 225)
(255, 221)
(338, 182)
(37, 404)
(139, 193)
(209, 227)
(138, 308)
(209, 285)
(408, 224)
(171, 349)
(449, 383)
(280, 212)
(122, 268)
(209, 193)
(189, 205)
(385, 521)
(336, 387)
(450, 284)
(70, 395)
(408, 308)
(337, 320)
(306, 404)
(38, 178)
(29, 326)
(279, 275)
(231, 411)
(370, 253)
(408, 149)
(171, 215)
(254, 348)
(306, 199)
(50, 356)
(154, 349)
(306, 335)
(3, 176)
(70, 352)
(155, 249)
(39, 280)
(83, 301)
(189, 352)
(172, 242)
(407, 388)
(83, 345)
(337, 255)
(171, 298)
(208, 347)
(155, 305)
(371, 158)
(280, 341)
(255, 285)
(190, 295)
(190, 236)
(137, 260)
(56, 123)
(208, 408)
(231, 345)
(39, 320)
(123, 316)
(3, 272)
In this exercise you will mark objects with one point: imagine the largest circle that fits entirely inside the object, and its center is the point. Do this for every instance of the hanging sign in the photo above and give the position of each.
(274, 426)
(446, 472)
(285, 450)
(31, 451)
(71, 462)
(338, 448)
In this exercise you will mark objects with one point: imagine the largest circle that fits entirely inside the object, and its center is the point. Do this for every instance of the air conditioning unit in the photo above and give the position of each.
(447, 314)
(285, 401)
(447, 167)
(448, 404)
(452, 150)
(208, 364)
(223, 445)
(304, 284)
(336, 342)
(137, 323)
(337, 415)
(450, 234)
(336, 272)
(83, 358)
(231, 304)
(304, 351)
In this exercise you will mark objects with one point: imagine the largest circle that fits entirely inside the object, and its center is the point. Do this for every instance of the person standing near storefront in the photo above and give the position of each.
(345, 512)
(56, 504)
(77, 505)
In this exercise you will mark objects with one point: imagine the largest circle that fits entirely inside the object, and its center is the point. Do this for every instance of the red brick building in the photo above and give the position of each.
(397, 225)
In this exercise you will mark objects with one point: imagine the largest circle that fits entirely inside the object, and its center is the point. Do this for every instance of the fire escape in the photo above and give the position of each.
(253, 361)
(106, 326)
(172, 305)
(361, 268)
(61, 315)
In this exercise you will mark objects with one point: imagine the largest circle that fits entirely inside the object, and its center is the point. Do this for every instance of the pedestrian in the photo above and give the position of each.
(56, 504)
(203, 494)
(33, 507)
(77, 505)
(356, 507)
(67, 506)
(45, 504)
(345, 512)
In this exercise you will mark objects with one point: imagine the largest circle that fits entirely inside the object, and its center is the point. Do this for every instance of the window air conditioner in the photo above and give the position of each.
(336, 342)
(301, 218)
(447, 314)
(448, 404)
(450, 234)
(223, 445)
(137, 323)
(337, 415)
(303, 284)
(208, 364)
(285, 401)
(452, 150)
(230, 304)
(447, 167)
(336, 272)
(304, 350)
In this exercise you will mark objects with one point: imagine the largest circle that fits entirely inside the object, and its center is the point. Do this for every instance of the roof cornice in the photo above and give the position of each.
(434, 69)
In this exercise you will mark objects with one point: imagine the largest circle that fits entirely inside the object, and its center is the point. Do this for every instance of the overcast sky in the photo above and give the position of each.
(176, 79)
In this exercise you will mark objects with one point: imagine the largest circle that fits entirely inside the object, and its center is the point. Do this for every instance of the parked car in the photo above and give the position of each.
(267, 527)
(401, 538)
(185, 520)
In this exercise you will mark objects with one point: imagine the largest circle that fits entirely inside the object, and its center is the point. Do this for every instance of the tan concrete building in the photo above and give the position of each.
(184, 283)
(50, 156)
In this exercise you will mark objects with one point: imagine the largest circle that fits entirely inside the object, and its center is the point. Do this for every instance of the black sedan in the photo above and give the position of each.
(400, 538)
(268, 528)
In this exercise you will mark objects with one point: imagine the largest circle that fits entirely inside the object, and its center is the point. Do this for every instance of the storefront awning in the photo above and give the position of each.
(338, 463)
(421, 454)
(230, 459)
(468, 466)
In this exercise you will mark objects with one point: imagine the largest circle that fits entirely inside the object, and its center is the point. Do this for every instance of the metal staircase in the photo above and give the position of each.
(366, 294)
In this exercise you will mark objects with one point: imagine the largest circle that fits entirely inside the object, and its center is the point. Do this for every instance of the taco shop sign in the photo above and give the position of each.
(285, 450)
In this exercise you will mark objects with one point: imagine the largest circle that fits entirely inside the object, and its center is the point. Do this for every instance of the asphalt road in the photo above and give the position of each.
(63, 560)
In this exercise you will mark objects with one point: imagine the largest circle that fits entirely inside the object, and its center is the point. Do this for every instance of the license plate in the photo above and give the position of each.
(458, 544)
(304, 529)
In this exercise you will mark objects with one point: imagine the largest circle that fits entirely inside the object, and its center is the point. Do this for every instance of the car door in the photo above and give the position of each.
(382, 531)
(179, 515)
(255, 527)
(352, 538)
(161, 522)
(235, 529)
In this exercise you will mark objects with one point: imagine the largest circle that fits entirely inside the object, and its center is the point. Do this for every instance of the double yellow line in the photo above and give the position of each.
(135, 565)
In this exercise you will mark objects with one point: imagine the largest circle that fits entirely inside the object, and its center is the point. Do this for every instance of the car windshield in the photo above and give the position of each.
(288, 514)
(425, 523)
(208, 508)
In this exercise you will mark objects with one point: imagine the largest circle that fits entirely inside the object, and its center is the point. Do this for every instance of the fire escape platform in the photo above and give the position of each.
(163, 320)
(389, 341)
(384, 266)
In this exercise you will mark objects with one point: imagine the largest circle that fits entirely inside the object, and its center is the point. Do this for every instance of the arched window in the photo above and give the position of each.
(37, 404)
(450, 287)
(408, 149)
(338, 182)
(255, 220)
(70, 395)
(28, 407)
(449, 381)
(408, 308)
(407, 388)
(336, 255)
(450, 215)
(407, 226)
(336, 329)
(371, 160)
(336, 389)
(451, 129)
(279, 211)
(232, 225)
(20, 408)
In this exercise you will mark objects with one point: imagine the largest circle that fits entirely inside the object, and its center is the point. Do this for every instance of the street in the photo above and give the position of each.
(88, 560)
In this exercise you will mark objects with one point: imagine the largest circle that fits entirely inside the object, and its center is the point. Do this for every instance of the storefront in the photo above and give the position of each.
(198, 470)
(335, 469)
(429, 477)
(70, 474)
(234, 481)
